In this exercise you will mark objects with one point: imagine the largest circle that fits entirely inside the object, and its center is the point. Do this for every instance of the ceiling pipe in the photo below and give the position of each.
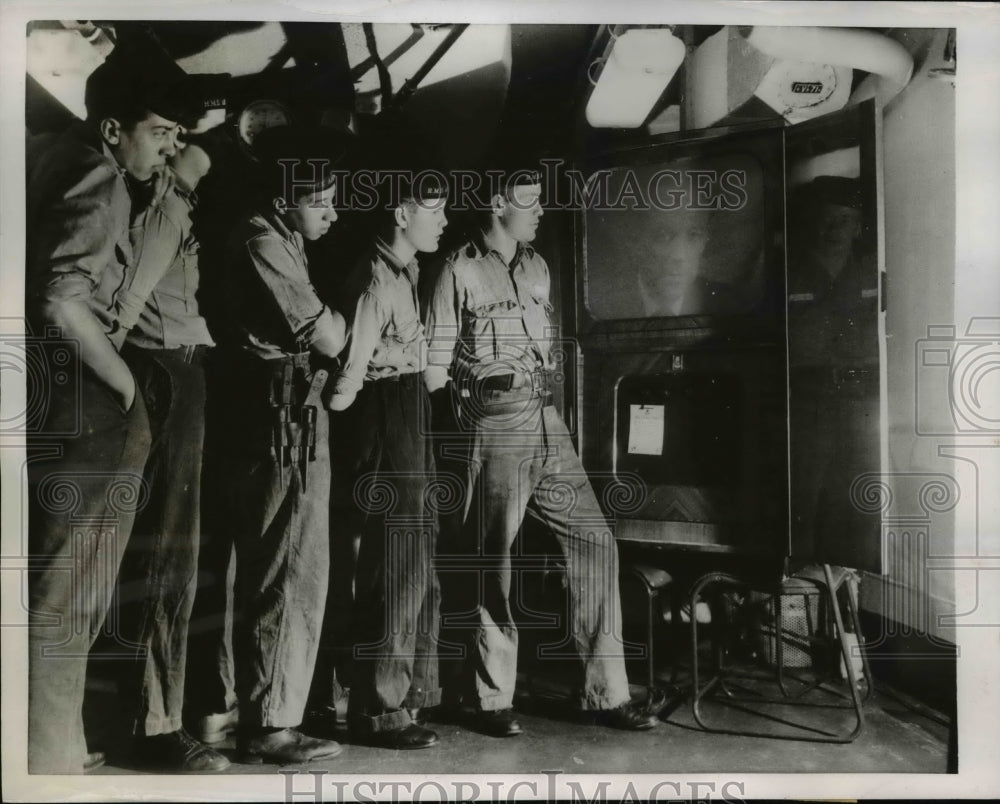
(889, 63)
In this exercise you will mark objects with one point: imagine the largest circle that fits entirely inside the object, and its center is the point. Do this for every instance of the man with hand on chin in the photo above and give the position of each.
(91, 447)
(166, 344)
(284, 342)
(396, 606)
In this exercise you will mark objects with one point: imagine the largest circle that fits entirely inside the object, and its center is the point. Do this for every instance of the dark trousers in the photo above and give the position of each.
(396, 588)
(159, 571)
(281, 521)
(334, 665)
(211, 666)
(84, 491)
(516, 460)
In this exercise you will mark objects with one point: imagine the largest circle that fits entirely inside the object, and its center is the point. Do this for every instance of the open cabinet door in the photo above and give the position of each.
(835, 319)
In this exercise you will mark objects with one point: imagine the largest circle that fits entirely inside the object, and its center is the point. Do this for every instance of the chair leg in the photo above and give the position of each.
(852, 605)
(829, 596)
(675, 631)
(696, 690)
(779, 641)
(845, 650)
(651, 664)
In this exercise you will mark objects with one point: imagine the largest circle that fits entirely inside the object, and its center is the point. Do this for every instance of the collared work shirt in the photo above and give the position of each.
(484, 317)
(382, 309)
(275, 308)
(77, 216)
(159, 307)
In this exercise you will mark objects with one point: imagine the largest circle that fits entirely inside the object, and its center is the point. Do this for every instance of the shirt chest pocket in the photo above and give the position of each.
(487, 325)
(537, 318)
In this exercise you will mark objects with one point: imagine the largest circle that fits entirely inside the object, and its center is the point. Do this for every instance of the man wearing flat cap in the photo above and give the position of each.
(285, 343)
(489, 334)
(396, 606)
(87, 457)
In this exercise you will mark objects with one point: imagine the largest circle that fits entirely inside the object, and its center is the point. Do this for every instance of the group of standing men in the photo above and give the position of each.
(114, 474)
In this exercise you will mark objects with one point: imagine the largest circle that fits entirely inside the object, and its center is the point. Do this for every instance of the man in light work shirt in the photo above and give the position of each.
(489, 334)
(166, 343)
(397, 595)
(286, 342)
(87, 456)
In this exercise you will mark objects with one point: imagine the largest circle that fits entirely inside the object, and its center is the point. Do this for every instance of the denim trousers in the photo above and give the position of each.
(513, 461)
(85, 486)
(396, 589)
(158, 575)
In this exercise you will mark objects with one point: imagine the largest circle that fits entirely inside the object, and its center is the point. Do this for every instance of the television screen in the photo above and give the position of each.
(678, 237)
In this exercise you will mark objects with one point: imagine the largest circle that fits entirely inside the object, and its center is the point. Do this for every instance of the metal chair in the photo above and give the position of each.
(821, 582)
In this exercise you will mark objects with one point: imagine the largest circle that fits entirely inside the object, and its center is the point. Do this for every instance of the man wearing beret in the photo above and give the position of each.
(489, 329)
(285, 342)
(397, 594)
(86, 460)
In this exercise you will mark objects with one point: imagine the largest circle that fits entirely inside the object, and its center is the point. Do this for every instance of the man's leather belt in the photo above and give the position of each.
(539, 381)
(192, 353)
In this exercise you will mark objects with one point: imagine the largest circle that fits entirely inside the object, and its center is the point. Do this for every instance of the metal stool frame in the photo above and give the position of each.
(827, 585)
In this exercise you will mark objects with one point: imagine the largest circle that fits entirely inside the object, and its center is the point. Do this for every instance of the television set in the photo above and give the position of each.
(681, 313)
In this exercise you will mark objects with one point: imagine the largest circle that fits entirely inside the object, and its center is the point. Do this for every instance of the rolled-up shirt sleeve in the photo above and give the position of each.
(74, 241)
(287, 282)
(366, 333)
(441, 325)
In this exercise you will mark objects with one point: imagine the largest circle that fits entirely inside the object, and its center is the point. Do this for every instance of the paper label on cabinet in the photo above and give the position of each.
(645, 430)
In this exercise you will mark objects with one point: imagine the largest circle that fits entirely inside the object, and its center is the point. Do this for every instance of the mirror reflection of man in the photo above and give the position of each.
(831, 296)
(833, 355)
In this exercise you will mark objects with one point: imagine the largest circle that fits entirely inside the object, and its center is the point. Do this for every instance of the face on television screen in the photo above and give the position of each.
(678, 238)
